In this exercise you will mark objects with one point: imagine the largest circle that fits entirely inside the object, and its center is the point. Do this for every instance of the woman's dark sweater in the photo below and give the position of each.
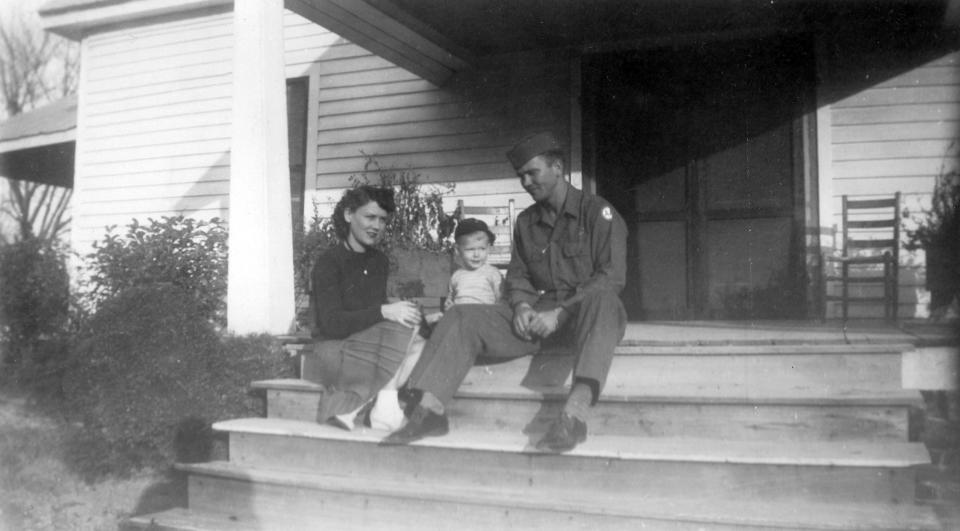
(348, 290)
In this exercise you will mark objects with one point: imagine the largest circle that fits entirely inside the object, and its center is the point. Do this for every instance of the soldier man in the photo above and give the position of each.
(566, 271)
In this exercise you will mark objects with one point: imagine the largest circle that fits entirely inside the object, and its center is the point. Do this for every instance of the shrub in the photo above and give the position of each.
(419, 221)
(152, 373)
(34, 297)
(937, 231)
(938, 226)
(182, 251)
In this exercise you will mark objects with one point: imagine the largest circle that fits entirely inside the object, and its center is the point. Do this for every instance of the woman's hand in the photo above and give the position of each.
(403, 312)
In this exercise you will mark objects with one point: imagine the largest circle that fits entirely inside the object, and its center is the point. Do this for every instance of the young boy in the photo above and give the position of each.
(475, 283)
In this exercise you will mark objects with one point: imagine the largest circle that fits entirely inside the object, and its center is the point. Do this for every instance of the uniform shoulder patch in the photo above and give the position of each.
(607, 213)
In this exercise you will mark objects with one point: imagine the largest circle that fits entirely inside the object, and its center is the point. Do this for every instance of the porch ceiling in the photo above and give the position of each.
(435, 38)
(497, 26)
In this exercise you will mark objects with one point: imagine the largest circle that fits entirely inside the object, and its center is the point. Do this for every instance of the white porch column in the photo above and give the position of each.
(260, 294)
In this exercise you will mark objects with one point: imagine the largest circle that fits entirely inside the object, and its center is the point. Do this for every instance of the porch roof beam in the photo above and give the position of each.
(387, 32)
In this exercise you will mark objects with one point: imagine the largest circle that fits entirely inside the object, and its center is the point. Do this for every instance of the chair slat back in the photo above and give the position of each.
(871, 224)
(871, 253)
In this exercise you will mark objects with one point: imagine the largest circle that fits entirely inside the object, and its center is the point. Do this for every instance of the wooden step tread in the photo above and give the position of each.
(810, 515)
(476, 387)
(848, 453)
(755, 348)
(761, 349)
(758, 333)
(182, 519)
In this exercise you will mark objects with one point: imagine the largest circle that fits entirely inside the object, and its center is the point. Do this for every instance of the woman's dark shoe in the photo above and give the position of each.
(564, 434)
(422, 423)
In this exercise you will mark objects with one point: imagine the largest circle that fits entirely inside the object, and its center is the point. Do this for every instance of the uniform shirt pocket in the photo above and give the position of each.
(576, 261)
(572, 249)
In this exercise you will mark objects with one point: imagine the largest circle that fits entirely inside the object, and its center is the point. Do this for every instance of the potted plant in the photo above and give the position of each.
(936, 230)
(418, 238)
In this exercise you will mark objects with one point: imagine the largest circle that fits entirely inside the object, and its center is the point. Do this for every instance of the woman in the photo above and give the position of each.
(366, 339)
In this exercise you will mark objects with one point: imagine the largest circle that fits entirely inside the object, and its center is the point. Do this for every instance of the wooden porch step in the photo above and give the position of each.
(619, 466)
(797, 415)
(794, 392)
(276, 499)
(183, 519)
(734, 375)
(757, 348)
(786, 333)
(745, 366)
(739, 368)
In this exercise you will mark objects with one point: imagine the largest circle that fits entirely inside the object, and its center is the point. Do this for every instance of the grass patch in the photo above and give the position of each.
(41, 489)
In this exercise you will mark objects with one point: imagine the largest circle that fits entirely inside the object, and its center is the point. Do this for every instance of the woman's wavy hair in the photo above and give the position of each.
(355, 198)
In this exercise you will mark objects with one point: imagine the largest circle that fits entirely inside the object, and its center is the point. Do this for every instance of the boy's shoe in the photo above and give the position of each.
(564, 434)
(422, 423)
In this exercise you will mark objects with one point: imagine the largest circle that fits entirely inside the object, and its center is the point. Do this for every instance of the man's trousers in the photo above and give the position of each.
(595, 326)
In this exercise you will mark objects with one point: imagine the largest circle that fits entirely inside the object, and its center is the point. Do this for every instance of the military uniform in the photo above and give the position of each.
(576, 261)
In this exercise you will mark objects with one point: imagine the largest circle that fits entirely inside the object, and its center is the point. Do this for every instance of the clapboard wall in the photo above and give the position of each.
(153, 124)
(456, 134)
(155, 116)
(894, 113)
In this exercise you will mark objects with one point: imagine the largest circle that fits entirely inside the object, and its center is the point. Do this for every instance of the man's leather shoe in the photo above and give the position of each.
(422, 423)
(564, 434)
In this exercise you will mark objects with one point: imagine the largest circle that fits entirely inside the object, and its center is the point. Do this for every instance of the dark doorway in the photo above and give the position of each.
(700, 149)
(298, 93)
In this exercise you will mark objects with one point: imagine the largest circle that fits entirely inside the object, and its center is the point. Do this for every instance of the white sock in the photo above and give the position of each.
(386, 413)
(346, 420)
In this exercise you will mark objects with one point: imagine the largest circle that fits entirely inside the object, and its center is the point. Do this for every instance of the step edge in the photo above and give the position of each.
(903, 340)
(829, 349)
(880, 399)
(896, 398)
(747, 350)
(549, 499)
(909, 454)
(182, 513)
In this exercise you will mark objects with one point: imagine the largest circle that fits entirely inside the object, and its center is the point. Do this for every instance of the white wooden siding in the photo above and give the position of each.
(455, 134)
(897, 134)
(155, 117)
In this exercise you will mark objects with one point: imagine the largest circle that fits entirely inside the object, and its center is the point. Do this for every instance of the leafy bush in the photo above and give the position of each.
(937, 231)
(182, 251)
(34, 297)
(152, 374)
(940, 224)
(419, 221)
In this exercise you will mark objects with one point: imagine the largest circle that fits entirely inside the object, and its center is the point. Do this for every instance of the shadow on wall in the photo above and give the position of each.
(198, 198)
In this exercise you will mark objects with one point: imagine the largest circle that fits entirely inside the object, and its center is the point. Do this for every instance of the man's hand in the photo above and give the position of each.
(545, 323)
(523, 315)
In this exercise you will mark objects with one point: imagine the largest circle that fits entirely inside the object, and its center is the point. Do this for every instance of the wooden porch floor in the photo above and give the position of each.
(917, 333)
